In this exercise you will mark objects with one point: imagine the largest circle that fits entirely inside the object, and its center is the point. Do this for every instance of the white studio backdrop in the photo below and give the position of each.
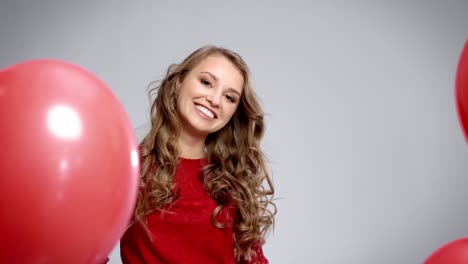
(367, 155)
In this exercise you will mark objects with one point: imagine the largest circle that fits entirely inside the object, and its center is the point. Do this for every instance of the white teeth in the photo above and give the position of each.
(205, 111)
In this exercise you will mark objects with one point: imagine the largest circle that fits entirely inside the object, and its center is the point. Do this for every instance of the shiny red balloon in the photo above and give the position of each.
(461, 91)
(455, 252)
(68, 165)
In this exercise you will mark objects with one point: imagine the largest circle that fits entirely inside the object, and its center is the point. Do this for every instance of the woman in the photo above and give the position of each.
(202, 196)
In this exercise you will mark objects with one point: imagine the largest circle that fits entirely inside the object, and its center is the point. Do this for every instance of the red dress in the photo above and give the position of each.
(184, 234)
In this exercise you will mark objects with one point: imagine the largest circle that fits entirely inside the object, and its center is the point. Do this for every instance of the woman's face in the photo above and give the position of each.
(209, 96)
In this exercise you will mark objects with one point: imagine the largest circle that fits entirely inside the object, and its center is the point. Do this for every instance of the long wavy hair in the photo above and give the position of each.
(236, 174)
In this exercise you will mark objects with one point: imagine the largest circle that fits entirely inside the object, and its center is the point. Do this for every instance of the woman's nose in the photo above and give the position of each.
(214, 98)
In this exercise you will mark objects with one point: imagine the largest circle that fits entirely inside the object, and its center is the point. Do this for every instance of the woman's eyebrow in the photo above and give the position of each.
(212, 75)
(232, 90)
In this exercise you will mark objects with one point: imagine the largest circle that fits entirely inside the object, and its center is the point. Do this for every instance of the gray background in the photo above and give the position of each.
(367, 154)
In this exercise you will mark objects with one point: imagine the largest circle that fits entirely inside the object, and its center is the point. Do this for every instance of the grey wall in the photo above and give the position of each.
(367, 155)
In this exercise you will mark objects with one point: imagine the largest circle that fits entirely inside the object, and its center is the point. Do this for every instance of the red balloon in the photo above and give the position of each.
(461, 92)
(69, 165)
(455, 252)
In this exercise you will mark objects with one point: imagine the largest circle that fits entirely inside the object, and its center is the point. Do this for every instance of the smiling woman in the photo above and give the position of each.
(205, 191)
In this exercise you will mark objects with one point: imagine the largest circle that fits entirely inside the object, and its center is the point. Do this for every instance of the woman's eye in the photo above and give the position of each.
(205, 82)
(231, 98)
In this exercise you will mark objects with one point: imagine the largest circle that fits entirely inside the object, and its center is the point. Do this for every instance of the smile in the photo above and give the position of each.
(205, 111)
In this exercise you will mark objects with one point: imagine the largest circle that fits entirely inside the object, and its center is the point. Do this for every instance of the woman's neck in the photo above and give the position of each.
(191, 147)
